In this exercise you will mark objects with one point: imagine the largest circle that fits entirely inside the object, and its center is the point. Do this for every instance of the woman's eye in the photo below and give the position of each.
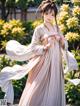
(46, 13)
(52, 14)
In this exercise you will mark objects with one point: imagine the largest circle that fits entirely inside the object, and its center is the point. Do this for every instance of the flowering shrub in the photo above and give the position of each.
(1, 23)
(18, 31)
(76, 11)
(72, 22)
(15, 23)
(76, 2)
(10, 30)
(69, 23)
(72, 36)
(62, 16)
(65, 7)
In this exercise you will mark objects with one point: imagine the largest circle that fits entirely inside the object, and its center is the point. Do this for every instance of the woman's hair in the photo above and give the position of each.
(47, 5)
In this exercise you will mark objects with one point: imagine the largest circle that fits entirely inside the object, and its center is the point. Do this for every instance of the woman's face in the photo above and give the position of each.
(49, 16)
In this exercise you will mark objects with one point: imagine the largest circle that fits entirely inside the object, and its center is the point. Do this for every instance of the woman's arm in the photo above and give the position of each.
(38, 48)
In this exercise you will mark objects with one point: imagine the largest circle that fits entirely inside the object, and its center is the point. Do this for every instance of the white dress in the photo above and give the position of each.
(45, 83)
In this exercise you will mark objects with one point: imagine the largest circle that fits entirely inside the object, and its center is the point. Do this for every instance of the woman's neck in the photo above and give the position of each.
(48, 25)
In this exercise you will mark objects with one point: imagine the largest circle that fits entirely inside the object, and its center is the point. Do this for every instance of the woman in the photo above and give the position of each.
(45, 83)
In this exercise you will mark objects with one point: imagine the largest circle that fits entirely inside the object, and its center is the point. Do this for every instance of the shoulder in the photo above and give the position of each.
(39, 27)
(39, 30)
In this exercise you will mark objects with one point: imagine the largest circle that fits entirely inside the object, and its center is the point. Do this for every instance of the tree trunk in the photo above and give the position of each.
(61, 2)
(14, 9)
(3, 10)
(25, 14)
(11, 14)
(21, 14)
(4, 14)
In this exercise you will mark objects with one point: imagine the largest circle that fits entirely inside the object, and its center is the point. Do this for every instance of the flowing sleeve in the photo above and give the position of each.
(19, 52)
(70, 60)
(36, 43)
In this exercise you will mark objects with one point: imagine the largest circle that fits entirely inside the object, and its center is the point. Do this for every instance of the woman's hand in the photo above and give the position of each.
(57, 37)
(47, 47)
(60, 38)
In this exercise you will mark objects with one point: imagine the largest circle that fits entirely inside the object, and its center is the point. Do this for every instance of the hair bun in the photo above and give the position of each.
(48, 1)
